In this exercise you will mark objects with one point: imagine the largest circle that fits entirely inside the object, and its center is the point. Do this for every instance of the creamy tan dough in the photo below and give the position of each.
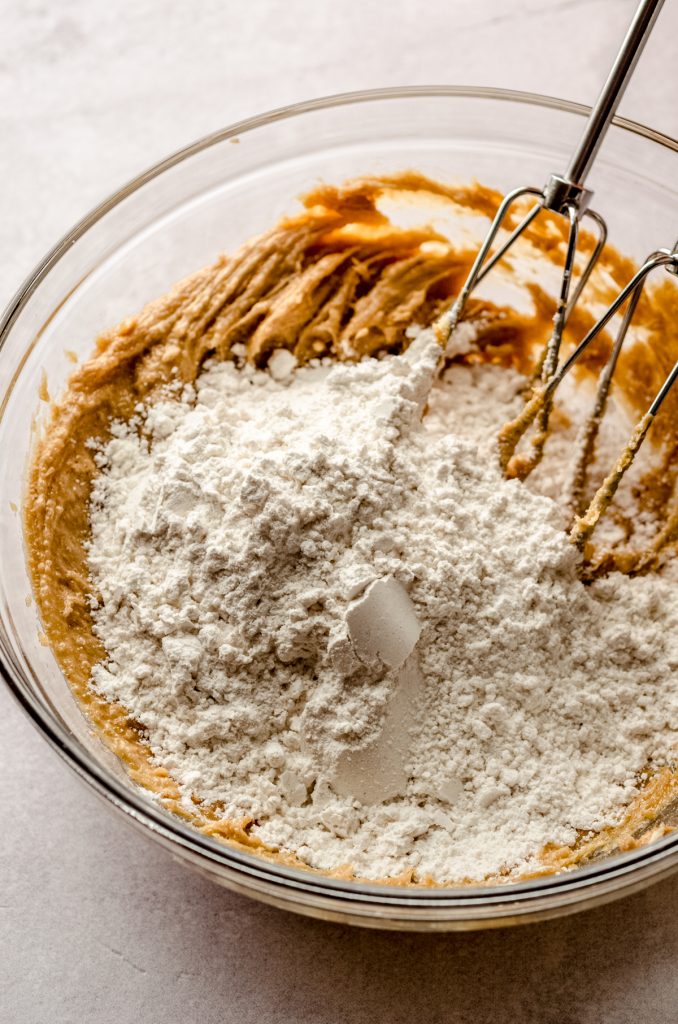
(336, 280)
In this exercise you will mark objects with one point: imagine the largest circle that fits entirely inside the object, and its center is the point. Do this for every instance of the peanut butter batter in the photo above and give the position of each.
(337, 280)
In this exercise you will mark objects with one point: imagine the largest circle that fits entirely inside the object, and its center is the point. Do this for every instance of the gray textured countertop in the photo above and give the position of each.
(96, 924)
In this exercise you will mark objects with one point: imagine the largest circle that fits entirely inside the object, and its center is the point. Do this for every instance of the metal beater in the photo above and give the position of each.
(586, 521)
(567, 196)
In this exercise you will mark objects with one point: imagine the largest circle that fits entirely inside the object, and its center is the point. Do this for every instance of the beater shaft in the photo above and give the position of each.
(613, 90)
(564, 194)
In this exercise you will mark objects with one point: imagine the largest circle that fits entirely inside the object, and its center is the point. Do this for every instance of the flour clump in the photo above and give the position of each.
(333, 617)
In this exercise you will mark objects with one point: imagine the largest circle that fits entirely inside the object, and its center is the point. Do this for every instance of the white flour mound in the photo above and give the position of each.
(343, 623)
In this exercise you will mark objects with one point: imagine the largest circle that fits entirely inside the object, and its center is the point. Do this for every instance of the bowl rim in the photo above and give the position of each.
(528, 897)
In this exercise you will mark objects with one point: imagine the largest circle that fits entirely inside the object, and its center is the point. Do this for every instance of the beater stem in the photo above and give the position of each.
(562, 193)
(613, 90)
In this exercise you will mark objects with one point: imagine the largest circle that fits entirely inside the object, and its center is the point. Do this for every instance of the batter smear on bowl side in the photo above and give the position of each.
(278, 562)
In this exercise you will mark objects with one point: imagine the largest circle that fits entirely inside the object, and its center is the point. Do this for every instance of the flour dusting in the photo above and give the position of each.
(334, 617)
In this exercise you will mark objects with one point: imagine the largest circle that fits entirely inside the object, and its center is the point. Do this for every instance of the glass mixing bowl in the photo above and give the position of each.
(172, 220)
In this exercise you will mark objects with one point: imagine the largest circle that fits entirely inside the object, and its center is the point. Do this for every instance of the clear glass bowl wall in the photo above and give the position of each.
(176, 218)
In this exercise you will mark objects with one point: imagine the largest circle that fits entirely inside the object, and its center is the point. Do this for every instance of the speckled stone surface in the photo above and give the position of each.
(96, 924)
